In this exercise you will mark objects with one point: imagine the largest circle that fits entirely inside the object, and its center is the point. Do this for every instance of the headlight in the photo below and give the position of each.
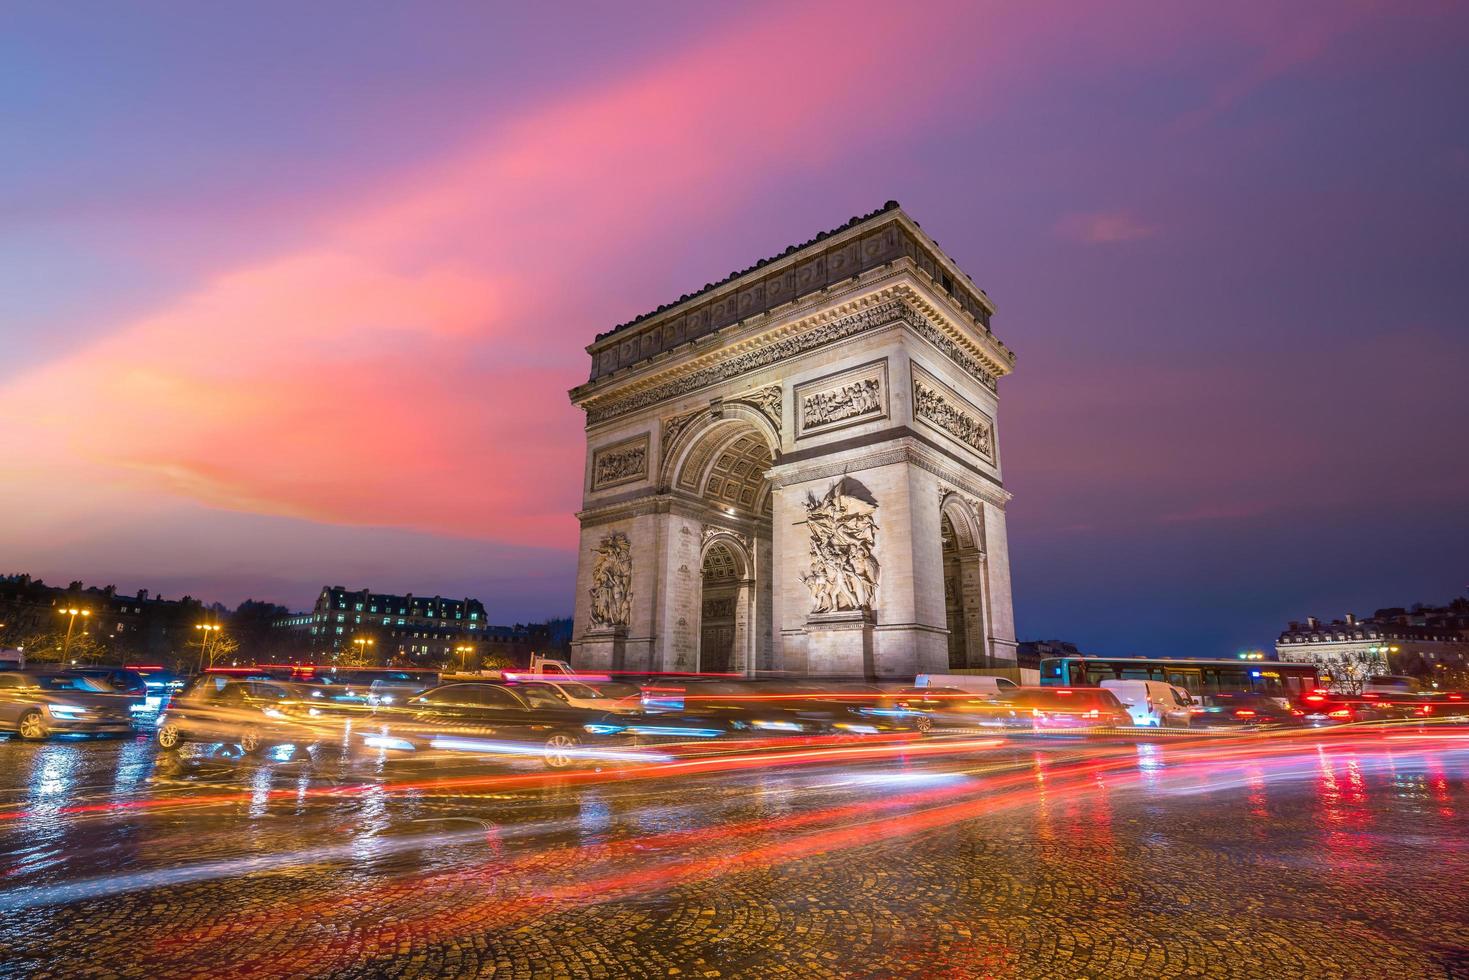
(386, 699)
(273, 713)
(601, 729)
(66, 710)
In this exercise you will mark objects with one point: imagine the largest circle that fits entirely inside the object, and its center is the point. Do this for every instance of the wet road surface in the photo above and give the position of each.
(1333, 854)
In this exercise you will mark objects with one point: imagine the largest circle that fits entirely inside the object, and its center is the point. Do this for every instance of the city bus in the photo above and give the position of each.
(1197, 677)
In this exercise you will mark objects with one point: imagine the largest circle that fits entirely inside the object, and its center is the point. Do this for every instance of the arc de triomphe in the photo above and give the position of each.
(798, 469)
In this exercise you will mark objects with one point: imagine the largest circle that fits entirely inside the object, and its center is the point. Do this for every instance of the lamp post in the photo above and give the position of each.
(208, 630)
(70, 625)
(362, 644)
(464, 650)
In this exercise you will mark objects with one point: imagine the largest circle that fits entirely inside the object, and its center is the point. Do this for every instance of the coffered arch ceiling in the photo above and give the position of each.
(727, 467)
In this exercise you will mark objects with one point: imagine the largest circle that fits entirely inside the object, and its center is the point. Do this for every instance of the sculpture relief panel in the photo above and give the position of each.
(623, 462)
(844, 570)
(839, 400)
(943, 408)
(611, 590)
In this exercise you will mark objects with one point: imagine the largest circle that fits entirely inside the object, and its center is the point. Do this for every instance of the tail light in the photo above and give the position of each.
(1297, 712)
(1243, 713)
(1314, 698)
(1339, 713)
(1093, 713)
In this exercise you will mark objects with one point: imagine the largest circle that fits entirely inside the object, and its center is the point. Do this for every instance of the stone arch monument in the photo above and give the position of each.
(797, 469)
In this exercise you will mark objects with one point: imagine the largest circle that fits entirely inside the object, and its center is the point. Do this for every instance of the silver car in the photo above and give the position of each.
(38, 703)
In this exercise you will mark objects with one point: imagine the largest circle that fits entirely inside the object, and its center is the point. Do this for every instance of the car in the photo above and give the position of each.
(783, 707)
(127, 682)
(1061, 708)
(392, 687)
(580, 695)
(1153, 703)
(1320, 708)
(1246, 709)
(501, 718)
(36, 704)
(952, 707)
(983, 685)
(253, 714)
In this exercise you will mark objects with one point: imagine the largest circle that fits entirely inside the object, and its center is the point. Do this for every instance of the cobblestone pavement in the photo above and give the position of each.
(1321, 856)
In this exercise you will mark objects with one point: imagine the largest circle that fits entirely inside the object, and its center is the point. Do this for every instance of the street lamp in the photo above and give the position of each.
(207, 629)
(362, 644)
(464, 651)
(70, 625)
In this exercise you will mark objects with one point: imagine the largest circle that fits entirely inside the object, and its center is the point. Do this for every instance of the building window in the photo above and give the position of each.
(341, 619)
(339, 629)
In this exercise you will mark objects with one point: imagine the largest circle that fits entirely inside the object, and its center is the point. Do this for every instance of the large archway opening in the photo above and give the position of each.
(720, 469)
(964, 587)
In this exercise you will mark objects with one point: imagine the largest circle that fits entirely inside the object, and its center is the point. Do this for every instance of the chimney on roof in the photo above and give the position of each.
(1311, 622)
(1351, 619)
(1294, 626)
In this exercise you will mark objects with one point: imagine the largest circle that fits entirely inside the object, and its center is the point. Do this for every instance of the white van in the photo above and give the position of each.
(978, 684)
(1153, 703)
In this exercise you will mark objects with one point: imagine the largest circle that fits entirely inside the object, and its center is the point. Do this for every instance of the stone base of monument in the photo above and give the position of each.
(602, 649)
(839, 644)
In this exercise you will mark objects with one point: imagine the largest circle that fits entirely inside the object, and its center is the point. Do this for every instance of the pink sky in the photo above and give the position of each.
(350, 313)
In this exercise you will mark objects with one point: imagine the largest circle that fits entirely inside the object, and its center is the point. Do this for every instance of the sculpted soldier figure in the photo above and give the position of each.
(844, 570)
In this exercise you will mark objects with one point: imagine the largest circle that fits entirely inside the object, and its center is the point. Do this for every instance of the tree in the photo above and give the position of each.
(50, 646)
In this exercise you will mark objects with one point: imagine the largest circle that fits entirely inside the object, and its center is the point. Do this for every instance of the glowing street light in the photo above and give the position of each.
(464, 651)
(362, 643)
(70, 625)
(208, 630)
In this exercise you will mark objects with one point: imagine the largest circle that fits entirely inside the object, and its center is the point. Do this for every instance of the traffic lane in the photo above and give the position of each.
(728, 855)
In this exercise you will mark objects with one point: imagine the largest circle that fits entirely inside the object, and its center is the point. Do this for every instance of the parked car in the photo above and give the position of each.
(1153, 704)
(36, 704)
(501, 719)
(1060, 708)
(252, 714)
(1246, 709)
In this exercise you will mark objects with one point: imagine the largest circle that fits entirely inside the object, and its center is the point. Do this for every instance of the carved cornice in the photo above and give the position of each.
(907, 450)
(884, 239)
(897, 303)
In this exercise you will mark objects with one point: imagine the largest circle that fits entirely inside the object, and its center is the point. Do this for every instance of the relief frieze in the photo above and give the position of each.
(847, 398)
(940, 406)
(621, 463)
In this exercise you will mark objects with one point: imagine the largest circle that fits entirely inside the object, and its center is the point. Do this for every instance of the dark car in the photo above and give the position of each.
(127, 682)
(1246, 709)
(783, 707)
(1320, 708)
(253, 714)
(36, 704)
(1061, 708)
(500, 719)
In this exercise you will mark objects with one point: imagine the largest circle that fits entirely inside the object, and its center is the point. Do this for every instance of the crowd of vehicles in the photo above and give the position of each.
(561, 717)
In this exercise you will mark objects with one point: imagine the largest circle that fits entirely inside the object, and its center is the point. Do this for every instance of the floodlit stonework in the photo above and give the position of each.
(798, 469)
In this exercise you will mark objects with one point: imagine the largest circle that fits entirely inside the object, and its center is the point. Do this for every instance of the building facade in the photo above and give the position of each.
(1428, 642)
(391, 627)
(798, 469)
